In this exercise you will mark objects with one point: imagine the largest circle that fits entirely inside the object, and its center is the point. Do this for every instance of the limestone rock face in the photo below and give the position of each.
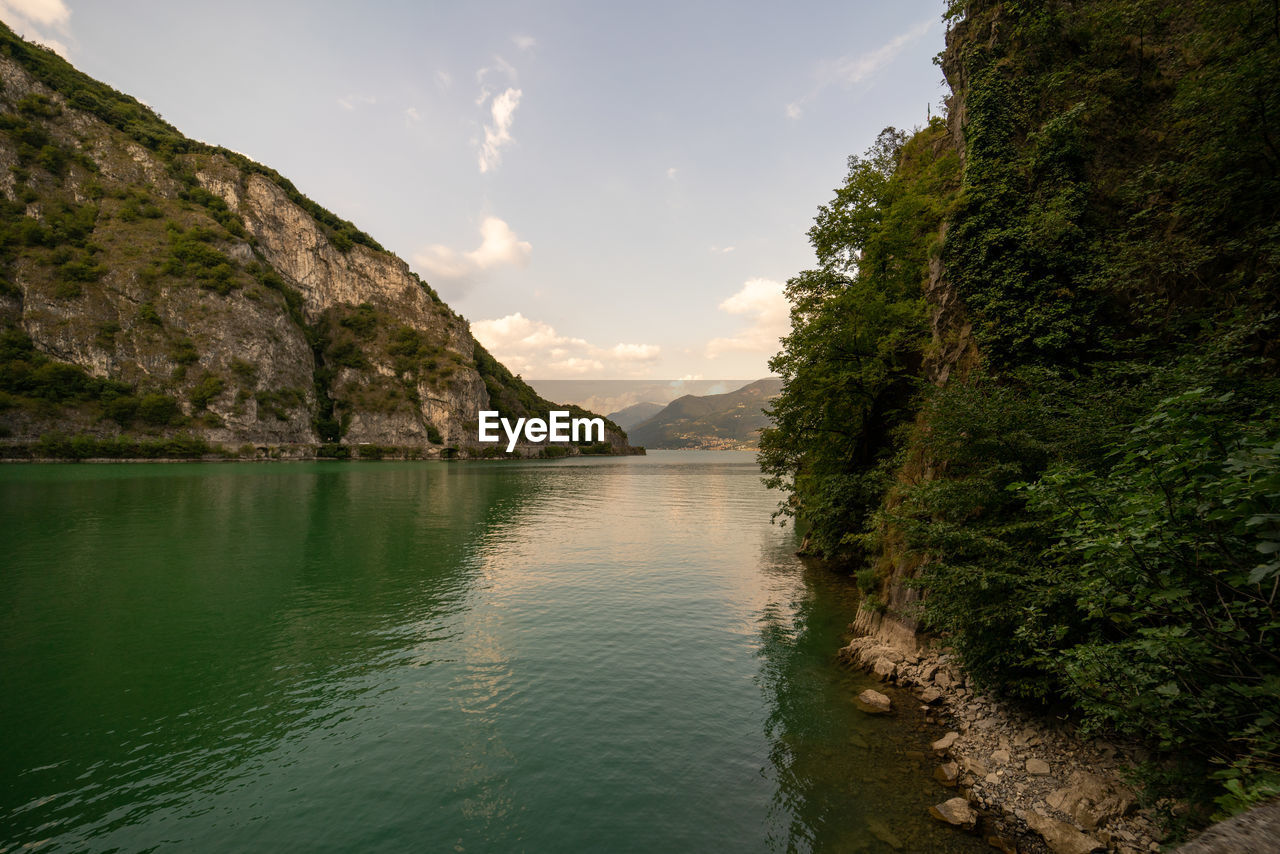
(297, 248)
(207, 279)
(190, 334)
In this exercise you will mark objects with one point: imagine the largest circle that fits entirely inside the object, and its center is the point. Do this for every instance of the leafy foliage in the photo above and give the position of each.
(277, 403)
(1114, 245)
(25, 371)
(208, 387)
(1131, 516)
(1094, 496)
(1173, 561)
(858, 331)
(193, 257)
(31, 379)
(1120, 173)
(59, 446)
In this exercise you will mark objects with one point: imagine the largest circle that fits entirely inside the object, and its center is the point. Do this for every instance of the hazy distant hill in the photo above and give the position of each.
(714, 421)
(637, 413)
(600, 395)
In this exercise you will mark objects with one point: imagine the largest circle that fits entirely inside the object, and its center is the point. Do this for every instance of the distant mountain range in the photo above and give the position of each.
(600, 395)
(711, 422)
(636, 414)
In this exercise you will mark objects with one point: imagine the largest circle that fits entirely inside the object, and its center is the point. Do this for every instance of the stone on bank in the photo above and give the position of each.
(874, 703)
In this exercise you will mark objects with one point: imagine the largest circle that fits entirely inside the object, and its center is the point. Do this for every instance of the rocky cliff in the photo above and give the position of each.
(155, 290)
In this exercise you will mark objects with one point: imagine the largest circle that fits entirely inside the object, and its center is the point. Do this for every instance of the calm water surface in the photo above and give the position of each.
(613, 654)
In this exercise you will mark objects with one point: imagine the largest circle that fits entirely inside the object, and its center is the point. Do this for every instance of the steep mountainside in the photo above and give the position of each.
(1030, 388)
(713, 421)
(159, 296)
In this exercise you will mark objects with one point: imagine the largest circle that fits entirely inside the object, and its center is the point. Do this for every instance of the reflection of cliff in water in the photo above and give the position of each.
(844, 779)
(245, 591)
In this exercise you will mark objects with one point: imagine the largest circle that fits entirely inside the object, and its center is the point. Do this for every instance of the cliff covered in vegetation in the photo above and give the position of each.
(1030, 389)
(163, 297)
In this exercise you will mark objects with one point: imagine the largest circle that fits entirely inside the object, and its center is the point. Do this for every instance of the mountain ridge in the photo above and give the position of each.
(158, 290)
(728, 421)
(636, 414)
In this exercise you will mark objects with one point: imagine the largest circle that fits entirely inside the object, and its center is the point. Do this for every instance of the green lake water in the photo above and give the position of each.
(607, 654)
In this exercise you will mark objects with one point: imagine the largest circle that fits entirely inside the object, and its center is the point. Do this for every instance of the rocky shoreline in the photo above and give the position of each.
(1025, 785)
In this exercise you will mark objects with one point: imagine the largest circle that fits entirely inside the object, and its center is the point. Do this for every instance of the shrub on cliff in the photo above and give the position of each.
(1108, 544)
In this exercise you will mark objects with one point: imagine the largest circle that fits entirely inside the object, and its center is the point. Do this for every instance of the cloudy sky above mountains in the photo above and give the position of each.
(604, 190)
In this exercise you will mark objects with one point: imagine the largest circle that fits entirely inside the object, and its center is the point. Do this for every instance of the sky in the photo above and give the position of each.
(604, 190)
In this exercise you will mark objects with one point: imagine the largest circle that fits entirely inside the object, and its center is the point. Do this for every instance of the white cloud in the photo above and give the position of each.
(532, 347)
(722, 250)
(350, 102)
(498, 134)
(500, 66)
(574, 366)
(499, 246)
(43, 13)
(853, 70)
(30, 19)
(763, 303)
(635, 352)
(849, 71)
(671, 172)
(444, 80)
(524, 42)
(411, 116)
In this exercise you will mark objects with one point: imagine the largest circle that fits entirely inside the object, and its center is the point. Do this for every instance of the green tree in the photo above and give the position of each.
(851, 362)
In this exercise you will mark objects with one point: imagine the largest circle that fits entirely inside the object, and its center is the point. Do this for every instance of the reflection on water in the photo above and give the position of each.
(568, 656)
(844, 781)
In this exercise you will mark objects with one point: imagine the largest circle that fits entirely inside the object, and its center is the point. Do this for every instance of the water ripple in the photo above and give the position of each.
(576, 655)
